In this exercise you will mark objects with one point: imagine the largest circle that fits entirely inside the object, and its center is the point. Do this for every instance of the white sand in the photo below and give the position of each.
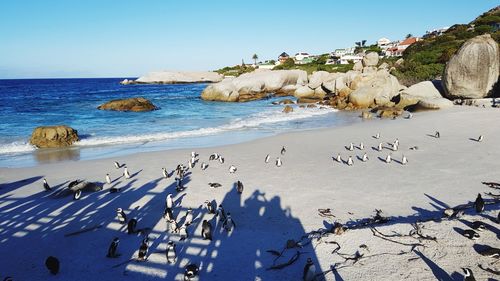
(277, 204)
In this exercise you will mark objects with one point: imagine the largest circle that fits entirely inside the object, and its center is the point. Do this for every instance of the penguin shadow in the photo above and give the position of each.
(360, 158)
(382, 159)
(459, 230)
(56, 189)
(432, 136)
(438, 272)
(489, 227)
(178, 200)
(397, 161)
(375, 148)
(135, 174)
(11, 186)
(473, 139)
(336, 273)
(117, 179)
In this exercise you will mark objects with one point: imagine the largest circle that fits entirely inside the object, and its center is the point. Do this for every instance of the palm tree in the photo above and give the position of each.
(409, 35)
(255, 58)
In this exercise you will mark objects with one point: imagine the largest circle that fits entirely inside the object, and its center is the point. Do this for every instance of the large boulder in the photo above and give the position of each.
(376, 89)
(473, 70)
(177, 77)
(434, 103)
(53, 136)
(370, 59)
(131, 104)
(255, 85)
(304, 92)
(317, 78)
(417, 92)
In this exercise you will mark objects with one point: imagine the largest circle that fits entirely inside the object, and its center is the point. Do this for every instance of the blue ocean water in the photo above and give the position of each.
(183, 120)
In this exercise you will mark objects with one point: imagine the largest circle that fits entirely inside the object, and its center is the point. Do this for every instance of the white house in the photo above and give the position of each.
(346, 59)
(342, 52)
(382, 42)
(300, 56)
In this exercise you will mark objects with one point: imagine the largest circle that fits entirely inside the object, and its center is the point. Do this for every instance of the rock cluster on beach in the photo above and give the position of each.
(53, 136)
(131, 104)
(176, 77)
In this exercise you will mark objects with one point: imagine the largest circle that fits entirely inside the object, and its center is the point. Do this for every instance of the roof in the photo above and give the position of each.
(284, 55)
(409, 41)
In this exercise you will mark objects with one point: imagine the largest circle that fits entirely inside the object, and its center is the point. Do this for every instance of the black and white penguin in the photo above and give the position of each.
(388, 159)
(409, 116)
(396, 142)
(169, 202)
(376, 136)
(379, 148)
(191, 272)
(73, 183)
(365, 157)
(239, 187)
(190, 164)
(437, 135)
(143, 250)
(126, 173)
(131, 225)
(232, 169)
(213, 156)
(350, 162)
(164, 172)
(229, 223)
(210, 207)
(108, 179)
(221, 160)
(112, 250)
(490, 252)
(283, 150)
(214, 184)
(179, 186)
(171, 252)
(204, 166)
(361, 146)
(350, 147)
(52, 264)
(404, 161)
(168, 215)
(479, 204)
(172, 226)
(278, 162)
(183, 233)
(117, 165)
(189, 217)
(480, 138)
(468, 275)
(394, 147)
(267, 158)
(478, 225)
(309, 271)
(77, 194)
(120, 214)
(206, 230)
(221, 213)
(46, 186)
(471, 234)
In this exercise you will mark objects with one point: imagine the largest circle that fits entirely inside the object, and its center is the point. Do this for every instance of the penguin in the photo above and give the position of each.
(479, 204)
(126, 173)
(379, 148)
(131, 226)
(394, 147)
(361, 146)
(309, 271)
(232, 169)
(193, 154)
(468, 275)
(168, 215)
(112, 248)
(143, 250)
(404, 161)
(437, 135)
(179, 186)
(73, 183)
(480, 139)
(229, 224)
(214, 184)
(206, 230)
(189, 217)
(239, 187)
(190, 272)
(171, 252)
(471, 234)
(490, 252)
(221, 213)
(169, 201)
(120, 214)
(77, 194)
(283, 150)
(409, 116)
(349, 161)
(46, 186)
(478, 225)
(365, 157)
(350, 147)
(204, 166)
(172, 225)
(117, 165)
(213, 156)
(108, 179)
(191, 164)
(52, 264)
(165, 173)
(210, 207)
(339, 159)
(183, 233)
(396, 142)
(388, 159)
(221, 160)
(267, 158)
(193, 160)
(377, 136)
(278, 162)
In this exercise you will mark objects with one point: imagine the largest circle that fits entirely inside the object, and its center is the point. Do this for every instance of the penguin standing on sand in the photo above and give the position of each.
(191, 272)
(52, 264)
(131, 226)
(349, 161)
(388, 159)
(229, 223)
(204, 166)
(206, 230)
(165, 173)
(221, 213)
(309, 271)
(350, 147)
(193, 154)
(379, 148)
(232, 169)
(361, 146)
(478, 225)
(190, 164)
(126, 173)
(396, 142)
(117, 165)
(46, 186)
(210, 207)
(189, 217)
(437, 135)
(283, 150)
(239, 187)
(169, 202)
(278, 162)
(365, 157)
(77, 194)
(178, 184)
(394, 147)
(168, 215)
(221, 160)
(213, 156)
(480, 139)
(171, 252)
(377, 136)
(471, 234)
(112, 248)
(468, 275)
(120, 214)
(267, 158)
(108, 179)
(143, 250)
(183, 233)
(404, 161)
(479, 204)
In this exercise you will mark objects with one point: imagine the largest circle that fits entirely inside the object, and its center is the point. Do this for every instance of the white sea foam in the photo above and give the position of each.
(16, 147)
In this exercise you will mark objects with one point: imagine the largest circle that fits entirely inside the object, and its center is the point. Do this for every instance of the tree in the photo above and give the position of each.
(409, 35)
(255, 58)
(363, 42)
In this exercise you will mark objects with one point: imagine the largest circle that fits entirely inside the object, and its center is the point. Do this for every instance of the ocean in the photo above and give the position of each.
(184, 120)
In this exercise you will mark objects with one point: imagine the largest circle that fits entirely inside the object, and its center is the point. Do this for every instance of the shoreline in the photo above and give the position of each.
(277, 204)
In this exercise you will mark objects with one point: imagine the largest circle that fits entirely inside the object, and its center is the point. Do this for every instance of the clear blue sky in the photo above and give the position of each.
(105, 38)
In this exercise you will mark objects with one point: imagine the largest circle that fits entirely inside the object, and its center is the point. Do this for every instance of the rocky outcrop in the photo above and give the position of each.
(256, 85)
(53, 136)
(417, 92)
(132, 104)
(473, 70)
(287, 109)
(176, 77)
(370, 59)
(433, 103)
(376, 89)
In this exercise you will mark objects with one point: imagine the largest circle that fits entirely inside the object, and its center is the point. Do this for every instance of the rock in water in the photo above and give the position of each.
(53, 136)
(287, 109)
(473, 70)
(132, 104)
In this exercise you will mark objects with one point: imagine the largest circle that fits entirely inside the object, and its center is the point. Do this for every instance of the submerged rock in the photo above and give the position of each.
(287, 109)
(53, 136)
(131, 104)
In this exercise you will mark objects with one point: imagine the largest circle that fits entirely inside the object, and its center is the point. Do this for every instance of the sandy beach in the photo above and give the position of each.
(277, 204)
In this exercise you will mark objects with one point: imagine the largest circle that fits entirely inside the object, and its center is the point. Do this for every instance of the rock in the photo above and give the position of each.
(304, 92)
(377, 89)
(366, 115)
(287, 109)
(387, 112)
(384, 66)
(255, 85)
(399, 62)
(370, 59)
(53, 136)
(126, 82)
(131, 104)
(369, 69)
(434, 103)
(358, 66)
(311, 105)
(415, 93)
(473, 70)
(176, 77)
(286, 101)
(319, 93)
(308, 100)
(317, 78)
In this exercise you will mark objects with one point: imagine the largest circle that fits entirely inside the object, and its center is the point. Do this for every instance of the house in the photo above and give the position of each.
(340, 52)
(266, 65)
(397, 51)
(435, 32)
(383, 42)
(302, 58)
(283, 57)
(347, 59)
